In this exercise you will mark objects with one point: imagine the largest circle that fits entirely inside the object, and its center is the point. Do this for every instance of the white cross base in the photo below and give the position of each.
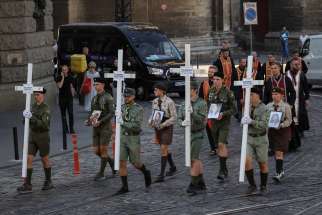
(27, 89)
(119, 76)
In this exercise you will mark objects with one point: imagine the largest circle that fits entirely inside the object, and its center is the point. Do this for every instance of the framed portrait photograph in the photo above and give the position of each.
(157, 117)
(274, 119)
(95, 116)
(214, 111)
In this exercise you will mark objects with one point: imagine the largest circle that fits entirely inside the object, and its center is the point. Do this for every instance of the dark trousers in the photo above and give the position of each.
(67, 105)
(212, 143)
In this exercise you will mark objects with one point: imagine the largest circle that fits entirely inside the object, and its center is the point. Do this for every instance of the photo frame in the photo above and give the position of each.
(274, 119)
(157, 117)
(214, 111)
(95, 116)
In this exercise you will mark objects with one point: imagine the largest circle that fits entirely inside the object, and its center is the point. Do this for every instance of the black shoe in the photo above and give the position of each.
(202, 185)
(251, 190)
(171, 172)
(48, 185)
(147, 178)
(99, 177)
(25, 188)
(192, 189)
(159, 179)
(122, 191)
(263, 190)
(212, 152)
(222, 175)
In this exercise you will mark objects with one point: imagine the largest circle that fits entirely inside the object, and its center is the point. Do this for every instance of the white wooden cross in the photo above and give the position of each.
(119, 76)
(246, 83)
(27, 89)
(187, 71)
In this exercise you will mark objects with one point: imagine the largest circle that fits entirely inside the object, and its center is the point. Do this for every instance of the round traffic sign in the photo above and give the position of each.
(250, 14)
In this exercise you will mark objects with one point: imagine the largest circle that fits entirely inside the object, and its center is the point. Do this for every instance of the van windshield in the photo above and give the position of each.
(153, 46)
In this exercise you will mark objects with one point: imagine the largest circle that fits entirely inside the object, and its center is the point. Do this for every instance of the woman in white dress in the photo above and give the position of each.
(91, 73)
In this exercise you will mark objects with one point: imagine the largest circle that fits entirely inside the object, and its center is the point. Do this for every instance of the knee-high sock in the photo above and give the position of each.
(250, 177)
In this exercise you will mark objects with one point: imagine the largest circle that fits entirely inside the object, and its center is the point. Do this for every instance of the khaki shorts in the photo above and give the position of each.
(220, 131)
(257, 148)
(196, 144)
(101, 136)
(130, 149)
(39, 141)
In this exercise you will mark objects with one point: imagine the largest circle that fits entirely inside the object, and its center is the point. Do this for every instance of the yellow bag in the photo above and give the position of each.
(78, 63)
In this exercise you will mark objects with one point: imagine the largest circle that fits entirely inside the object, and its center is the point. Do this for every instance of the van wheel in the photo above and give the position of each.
(142, 93)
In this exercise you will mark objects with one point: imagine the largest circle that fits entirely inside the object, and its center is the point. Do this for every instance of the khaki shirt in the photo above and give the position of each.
(259, 115)
(40, 120)
(285, 108)
(225, 97)
(103, 102)
(168, 107)
(132, 115)
(198, 115)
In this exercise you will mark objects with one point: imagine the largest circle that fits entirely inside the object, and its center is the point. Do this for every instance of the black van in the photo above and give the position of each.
(147, 51)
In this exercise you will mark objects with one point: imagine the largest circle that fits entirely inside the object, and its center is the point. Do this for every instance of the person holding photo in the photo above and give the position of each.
(279, 137)
(219, 94)
(102, 127)
(164, 130)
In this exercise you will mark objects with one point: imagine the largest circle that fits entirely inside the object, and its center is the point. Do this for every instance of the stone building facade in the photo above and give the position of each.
(23, 40)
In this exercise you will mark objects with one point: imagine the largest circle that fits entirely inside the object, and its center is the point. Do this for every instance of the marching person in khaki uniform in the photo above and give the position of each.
(220, 95)
(204, 93)
(198, 125)
(38, 140)
(257, 144)
(164, 129)
(131, 122)
(102, 112)
(281, 136)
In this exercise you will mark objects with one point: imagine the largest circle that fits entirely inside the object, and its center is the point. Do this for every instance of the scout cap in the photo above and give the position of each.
(219, 74)
(277, 90)
(43, 91)
(161, 86)
(129, 92)
(194, 85)
(256, 90)
(99, 80)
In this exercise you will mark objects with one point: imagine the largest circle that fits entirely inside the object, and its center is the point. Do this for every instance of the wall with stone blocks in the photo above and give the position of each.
(20, 44)
(91, 11)
(178, 18)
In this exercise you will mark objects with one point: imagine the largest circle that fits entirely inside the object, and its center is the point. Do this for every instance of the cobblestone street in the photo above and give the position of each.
(299, 193)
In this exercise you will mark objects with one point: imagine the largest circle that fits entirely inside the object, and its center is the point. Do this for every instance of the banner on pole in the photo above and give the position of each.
(250, 13)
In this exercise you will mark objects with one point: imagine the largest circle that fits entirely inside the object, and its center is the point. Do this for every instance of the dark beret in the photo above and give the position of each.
(161, 86)
(99, 80)
(256, 90)
(129, 92)
(194, 85)
(277, 90)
